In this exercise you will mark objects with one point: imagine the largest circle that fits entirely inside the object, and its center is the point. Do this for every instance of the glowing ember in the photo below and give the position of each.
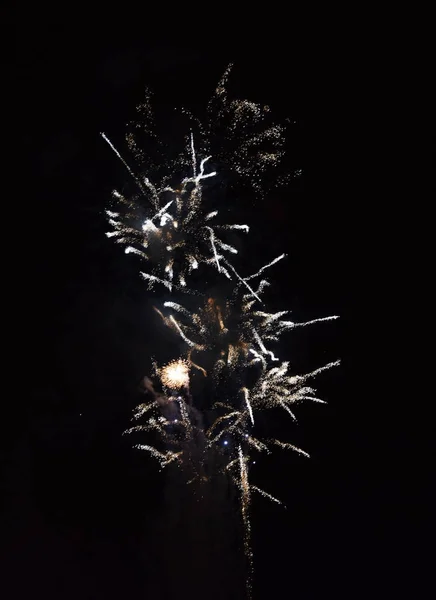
(175, 375)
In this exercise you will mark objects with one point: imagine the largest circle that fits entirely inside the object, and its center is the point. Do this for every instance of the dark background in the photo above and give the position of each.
(81, 506)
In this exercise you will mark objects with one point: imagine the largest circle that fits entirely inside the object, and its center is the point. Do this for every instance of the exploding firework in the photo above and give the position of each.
(235, 332)
(230, 343)
(175, 375)
(178, 235)
(167, 222)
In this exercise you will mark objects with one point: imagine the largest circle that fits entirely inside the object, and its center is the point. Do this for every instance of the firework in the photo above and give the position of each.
(166, 222)
(178, 235)
(175, 375)
(248, 144)
(234, 330)
(230, 343)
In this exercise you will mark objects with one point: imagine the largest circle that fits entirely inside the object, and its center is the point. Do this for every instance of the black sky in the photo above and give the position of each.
(81, 506)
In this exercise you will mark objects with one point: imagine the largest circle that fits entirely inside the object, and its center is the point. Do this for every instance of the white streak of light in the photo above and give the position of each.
(287, 446)
(243, 281)
(104, 136)
(292, 324)
(202, 176)
(287, 409)
(179, 308)
(273, 262)
(194, 161)
(265, 494)
(212, 241)
(152, 279)
(131, 250)
(183, 336)
(162, 210)
(242, 227)
(262, 347)
(247, 400)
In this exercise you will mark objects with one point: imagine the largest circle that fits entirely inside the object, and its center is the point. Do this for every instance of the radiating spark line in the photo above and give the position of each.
(258, 357)
(243, 281)
(178, 308)
(286, 446)
(245, 502)
(313, 399)
(142, 409)
(104, 136)
(287, 409)
(258, 445)
(164, 459)
(130, 249)
(202, 175)
(219, 420)
(247, 400)
(194, 161)
(319, 370)
(240, 227)
(185, 417)
(162, 211)
(291, 324)
(212, 241)
(193, 364)
(262, 346)
(227, 247)
(183, 336)
(152, 279)
(273, 262)
(266, 495)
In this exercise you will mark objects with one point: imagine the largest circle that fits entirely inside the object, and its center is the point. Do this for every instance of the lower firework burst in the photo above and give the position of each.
(227, 344)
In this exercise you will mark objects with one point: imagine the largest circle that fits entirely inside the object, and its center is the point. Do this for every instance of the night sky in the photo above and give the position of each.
(83, 510)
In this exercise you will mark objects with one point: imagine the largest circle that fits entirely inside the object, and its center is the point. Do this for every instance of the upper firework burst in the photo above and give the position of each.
(242, 139)
(166, 222)
(239, 135)
(178, 233)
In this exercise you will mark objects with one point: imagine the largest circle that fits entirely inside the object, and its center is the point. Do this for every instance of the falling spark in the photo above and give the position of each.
(247, 400)
(104, 136)
(287, 446)
(265, 494)
(244, 487)
(273, 262)
(244, 282)
(212, 243)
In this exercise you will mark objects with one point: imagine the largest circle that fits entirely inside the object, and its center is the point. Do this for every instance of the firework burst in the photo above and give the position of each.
(230, 343)
(234, 331)
(175, 375)
(166, 222)
(178, 235)
(242, 138)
